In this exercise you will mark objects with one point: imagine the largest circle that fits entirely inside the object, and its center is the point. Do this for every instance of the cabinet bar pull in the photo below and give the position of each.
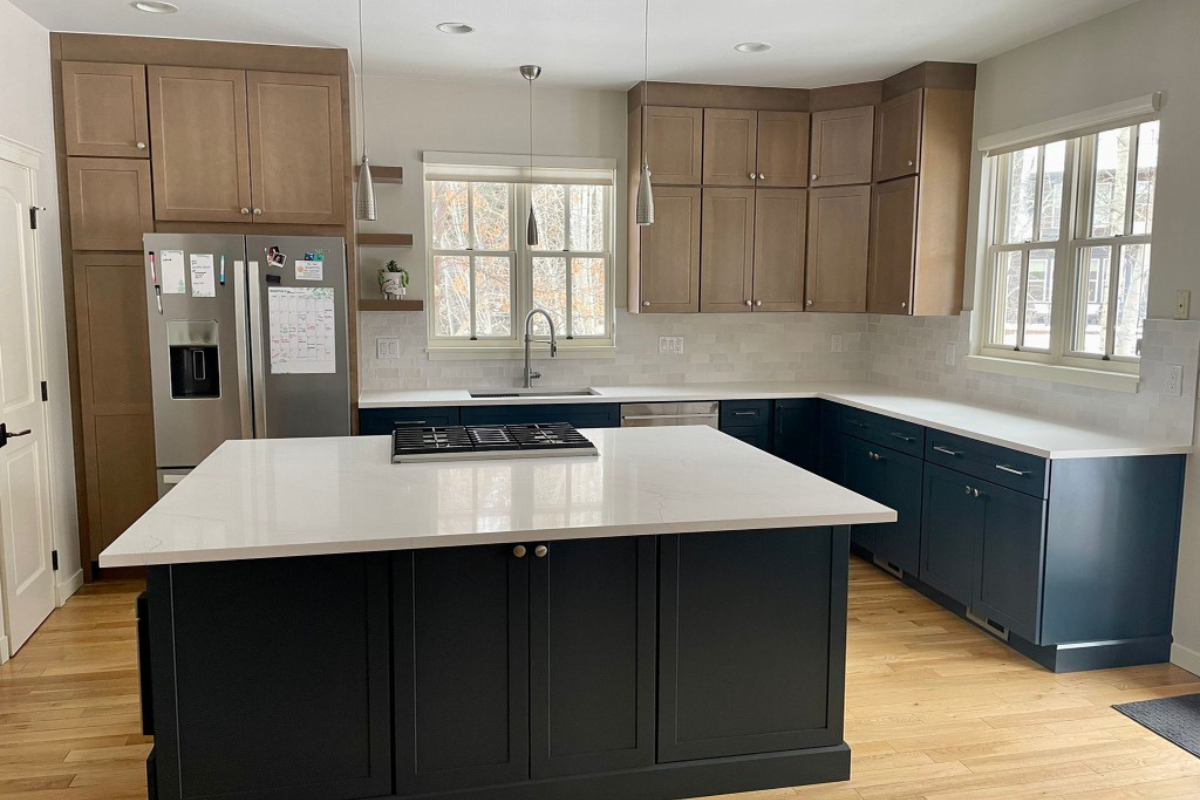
(946, 451)
(745, 413)
(402, 423)
(902, 437)
(1010, 470)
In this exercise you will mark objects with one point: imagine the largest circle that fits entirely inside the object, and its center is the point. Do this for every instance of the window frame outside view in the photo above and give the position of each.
(1078, 249)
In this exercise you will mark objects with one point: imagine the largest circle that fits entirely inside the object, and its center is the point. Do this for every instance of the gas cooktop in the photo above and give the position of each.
(489, 442)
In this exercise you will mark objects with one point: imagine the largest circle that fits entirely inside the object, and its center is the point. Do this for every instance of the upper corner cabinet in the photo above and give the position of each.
(297, 159)
(898, 136)
(842, 146)
(674, 140)
(235, 146)
(104, 110)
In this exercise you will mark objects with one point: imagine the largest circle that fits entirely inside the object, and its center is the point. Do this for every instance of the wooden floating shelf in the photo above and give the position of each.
(385, 240)
(391, 305)
(383, 174)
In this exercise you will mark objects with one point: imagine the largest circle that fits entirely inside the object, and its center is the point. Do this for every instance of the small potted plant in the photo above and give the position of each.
(393, 281)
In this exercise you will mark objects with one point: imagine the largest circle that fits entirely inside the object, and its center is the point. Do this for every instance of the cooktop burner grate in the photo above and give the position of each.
(482, 442)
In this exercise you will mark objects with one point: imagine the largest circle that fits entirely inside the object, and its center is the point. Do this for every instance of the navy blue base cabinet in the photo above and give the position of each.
(599, 669)
(894, 479)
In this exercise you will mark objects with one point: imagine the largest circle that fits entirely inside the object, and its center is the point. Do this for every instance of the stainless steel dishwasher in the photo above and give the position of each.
(653, 415)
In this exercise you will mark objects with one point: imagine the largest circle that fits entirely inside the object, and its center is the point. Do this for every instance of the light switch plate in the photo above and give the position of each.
(1174, 380)
(836, 344)
(670, 345)
(387, 347)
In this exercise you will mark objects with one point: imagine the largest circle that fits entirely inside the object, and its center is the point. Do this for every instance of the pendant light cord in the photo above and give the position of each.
(531, 130)
(362, 82)
(645, 80)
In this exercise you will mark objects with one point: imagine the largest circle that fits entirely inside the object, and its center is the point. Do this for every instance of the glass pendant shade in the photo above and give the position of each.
(364, 204)
(645, 198)
(531, 233)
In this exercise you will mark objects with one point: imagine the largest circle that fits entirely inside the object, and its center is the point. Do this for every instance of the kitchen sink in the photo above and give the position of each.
(536, 393)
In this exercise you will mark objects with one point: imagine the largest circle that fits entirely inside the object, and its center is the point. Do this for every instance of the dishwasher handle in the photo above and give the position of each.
(639, 417)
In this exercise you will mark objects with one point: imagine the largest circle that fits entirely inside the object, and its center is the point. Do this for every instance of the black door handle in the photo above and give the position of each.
(5, 435)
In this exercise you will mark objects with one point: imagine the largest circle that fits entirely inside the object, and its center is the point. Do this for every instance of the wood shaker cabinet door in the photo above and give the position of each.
(727, 250)
(898, 136)
(893, 247)
(104, 110)
(297, 163)
(842, 146)
(669, 273)
(730, 147)
(674, 140)
(780, 223)
(110, 203)
(199, 133)
(783, 144)
(838, 227)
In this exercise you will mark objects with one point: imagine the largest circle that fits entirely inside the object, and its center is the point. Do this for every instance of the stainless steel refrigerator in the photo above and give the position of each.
(248, 339)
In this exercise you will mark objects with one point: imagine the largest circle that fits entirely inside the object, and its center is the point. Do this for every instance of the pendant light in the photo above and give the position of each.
(530, 72)
(364, 204)
(645, 194)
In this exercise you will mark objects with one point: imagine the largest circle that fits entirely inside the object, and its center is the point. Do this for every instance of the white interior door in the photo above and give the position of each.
(27, 576)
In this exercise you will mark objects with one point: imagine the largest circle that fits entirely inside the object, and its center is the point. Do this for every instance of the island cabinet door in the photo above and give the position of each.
(752, 638)
(461, 665)
(271, 679)
(592, 654)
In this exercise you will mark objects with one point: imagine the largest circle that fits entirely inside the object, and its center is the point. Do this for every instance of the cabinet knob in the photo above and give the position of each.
(814, 176)
(646, 303)
(541, 550)
(975, 492)
(519, 551)
(762, 176)
(968, 488)
(809, 303)
(258, 212)
(910, 163)
(748, 302)
(141, 145)
(904, 305)
(758, 302)
(245, 211)
(752, 176)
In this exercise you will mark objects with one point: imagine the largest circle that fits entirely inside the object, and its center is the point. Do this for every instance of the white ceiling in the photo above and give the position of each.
(599, 43)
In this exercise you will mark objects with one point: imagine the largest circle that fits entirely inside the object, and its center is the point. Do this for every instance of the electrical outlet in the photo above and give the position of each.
(387, 347)
(1183, 304)
(836, 345)
(1174, 380)
(950, 355)
(670, 345)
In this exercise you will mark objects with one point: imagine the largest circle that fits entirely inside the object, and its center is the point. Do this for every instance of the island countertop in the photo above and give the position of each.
(294, 497)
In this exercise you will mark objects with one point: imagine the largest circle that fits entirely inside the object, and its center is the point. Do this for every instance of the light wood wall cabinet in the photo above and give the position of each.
(669, 274)
(111, 204)
(727, 250)
(919, 220)
(783, 142)
(201, 158)
(674, 143)
(235, 146)
(104, 110)
(780, 217)
(842, 146)
(838, 226)
(116, 411)
(730, 147)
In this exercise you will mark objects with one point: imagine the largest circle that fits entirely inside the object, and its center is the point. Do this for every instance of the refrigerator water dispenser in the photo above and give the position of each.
(195, 359)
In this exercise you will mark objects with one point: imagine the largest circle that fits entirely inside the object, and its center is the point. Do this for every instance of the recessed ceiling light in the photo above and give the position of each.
(455, 27)
(752, 47)
(155, 7)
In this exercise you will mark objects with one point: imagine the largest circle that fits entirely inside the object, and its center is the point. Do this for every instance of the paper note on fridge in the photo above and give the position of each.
(204, 282)
(310, 270)
(172, 271)
(302, 330)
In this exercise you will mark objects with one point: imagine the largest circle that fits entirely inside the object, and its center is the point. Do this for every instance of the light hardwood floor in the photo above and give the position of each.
(937, 710)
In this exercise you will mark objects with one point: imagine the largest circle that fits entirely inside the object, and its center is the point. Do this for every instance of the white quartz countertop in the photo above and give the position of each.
(1022, 432)
(295, 497)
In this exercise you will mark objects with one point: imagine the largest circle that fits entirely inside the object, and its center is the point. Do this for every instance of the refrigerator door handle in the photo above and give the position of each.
(243, 348)
(258, 351)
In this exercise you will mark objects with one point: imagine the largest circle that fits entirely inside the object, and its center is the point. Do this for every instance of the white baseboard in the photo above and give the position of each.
(1186, 658)
(67, 587)
(3, 649)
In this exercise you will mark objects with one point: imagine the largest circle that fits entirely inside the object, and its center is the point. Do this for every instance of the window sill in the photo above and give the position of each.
(1126, 382)
(540, 352)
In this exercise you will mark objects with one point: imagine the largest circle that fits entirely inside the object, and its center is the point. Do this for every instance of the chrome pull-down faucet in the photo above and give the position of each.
(530, 375)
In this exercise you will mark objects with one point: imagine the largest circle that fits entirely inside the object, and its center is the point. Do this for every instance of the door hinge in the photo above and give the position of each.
(33, 212)
(45, 393)
(54, 560)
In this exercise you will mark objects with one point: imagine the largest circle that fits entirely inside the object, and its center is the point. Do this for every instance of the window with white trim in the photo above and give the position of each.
(483, 276)
(1069, 256)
